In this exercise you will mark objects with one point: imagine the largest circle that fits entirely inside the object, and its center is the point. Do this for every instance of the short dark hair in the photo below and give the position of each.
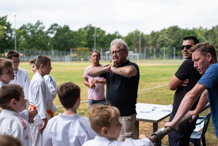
(32, 61)
(191, 38)
(4, 63)
(97, 52)
(12, 53)
(204, 48)
(8, 92)
(41, 59)
(68, 94)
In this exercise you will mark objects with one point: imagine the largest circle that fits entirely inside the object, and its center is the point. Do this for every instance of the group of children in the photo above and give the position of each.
(39, 127)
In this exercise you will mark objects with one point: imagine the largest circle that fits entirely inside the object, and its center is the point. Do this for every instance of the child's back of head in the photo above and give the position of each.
(68, 94)
(9, 92)
(103, 117)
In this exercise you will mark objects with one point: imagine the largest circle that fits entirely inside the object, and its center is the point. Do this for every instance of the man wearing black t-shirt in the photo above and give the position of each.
(183, 81)
(122, 79)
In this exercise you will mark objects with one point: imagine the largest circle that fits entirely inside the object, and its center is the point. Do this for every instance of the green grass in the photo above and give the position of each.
(151, 75)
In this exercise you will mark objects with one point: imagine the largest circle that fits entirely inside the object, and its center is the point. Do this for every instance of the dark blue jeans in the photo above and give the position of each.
(91, 102)
(182, 136)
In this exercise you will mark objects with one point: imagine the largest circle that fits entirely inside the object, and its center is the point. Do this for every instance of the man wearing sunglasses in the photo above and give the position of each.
(20, 75)
(183, 81)
(122, 78)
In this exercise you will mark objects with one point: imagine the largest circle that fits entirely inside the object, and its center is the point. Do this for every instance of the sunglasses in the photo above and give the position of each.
(15, 61)
(187, 47)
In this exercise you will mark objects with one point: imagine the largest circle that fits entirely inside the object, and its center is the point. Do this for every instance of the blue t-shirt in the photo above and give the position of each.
(210, 80)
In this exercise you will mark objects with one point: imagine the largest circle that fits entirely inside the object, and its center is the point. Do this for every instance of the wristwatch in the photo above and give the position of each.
(112, 69)
(100, 81)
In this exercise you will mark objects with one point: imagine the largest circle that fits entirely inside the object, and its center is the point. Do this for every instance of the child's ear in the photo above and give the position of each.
(41, 66)
(13, 102)
(78, 99)
(104, 130)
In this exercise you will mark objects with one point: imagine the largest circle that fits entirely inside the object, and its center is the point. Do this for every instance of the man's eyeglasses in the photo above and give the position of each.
(116, 52)
(187, 47)
(15, 61)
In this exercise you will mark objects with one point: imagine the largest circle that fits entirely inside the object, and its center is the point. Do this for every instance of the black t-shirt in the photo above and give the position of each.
(185, 71)
(122, 91)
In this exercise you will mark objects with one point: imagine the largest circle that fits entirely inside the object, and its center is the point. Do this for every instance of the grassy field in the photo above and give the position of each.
(151, 75)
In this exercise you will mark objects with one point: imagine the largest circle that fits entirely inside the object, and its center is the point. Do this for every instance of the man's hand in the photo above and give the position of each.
(141, 136)
(171, 125)
(193, 114)
(184, 82)
(32, 112)
(44, 123)
(92, 84)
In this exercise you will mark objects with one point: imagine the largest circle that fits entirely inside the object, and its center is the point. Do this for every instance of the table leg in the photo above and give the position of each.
(136, 134)
(155, 127)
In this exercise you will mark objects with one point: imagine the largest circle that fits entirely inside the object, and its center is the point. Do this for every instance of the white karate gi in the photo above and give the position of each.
(103, 141)
(40, 97)
(52, 86)
(24, 114)
(64, 130)
(12, 124)
(21, 78)
(1, 84)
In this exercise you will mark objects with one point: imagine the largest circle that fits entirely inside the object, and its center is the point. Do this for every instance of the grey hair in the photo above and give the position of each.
(123, 45)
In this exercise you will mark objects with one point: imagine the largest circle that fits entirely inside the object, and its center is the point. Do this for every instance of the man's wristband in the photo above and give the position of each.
(112, 69)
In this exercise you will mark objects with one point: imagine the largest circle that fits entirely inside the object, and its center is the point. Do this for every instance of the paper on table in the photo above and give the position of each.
(164, 109)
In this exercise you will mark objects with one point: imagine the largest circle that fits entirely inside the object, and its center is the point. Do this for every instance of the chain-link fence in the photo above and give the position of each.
(146, 55)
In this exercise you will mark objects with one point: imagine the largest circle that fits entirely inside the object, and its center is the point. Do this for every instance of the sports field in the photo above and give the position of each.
(151, 75)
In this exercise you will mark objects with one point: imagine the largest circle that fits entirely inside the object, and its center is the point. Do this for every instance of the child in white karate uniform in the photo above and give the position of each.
(41, 99)
(20, 75)
(12, 101)
(6, 75)
(69, 128)
(104, 121)
(49, 80)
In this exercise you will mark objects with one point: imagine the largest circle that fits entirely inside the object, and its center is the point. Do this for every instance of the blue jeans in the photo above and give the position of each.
(91, 101)
(182, 136)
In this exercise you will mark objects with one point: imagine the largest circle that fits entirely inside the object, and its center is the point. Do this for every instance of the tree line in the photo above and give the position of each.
(61, 38)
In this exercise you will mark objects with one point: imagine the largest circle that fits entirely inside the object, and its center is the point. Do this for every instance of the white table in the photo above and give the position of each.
(151, 113)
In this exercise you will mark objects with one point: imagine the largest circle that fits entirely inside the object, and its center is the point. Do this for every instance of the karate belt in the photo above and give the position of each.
(49, 112)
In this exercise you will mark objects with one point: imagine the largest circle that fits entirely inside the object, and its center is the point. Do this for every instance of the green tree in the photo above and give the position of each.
(6, 42)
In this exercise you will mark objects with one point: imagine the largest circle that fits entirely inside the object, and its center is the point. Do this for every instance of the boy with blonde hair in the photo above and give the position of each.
(69, 128)
(105, 122)
(12, 101)
(41, 99)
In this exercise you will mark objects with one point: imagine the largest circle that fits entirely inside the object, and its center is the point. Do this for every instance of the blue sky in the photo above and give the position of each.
(123, 16)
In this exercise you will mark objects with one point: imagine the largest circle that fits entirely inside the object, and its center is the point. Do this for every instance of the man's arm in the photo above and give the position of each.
(96, 71)
(201, 104)
(126, 71)
(186, 105)
(175, 83)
